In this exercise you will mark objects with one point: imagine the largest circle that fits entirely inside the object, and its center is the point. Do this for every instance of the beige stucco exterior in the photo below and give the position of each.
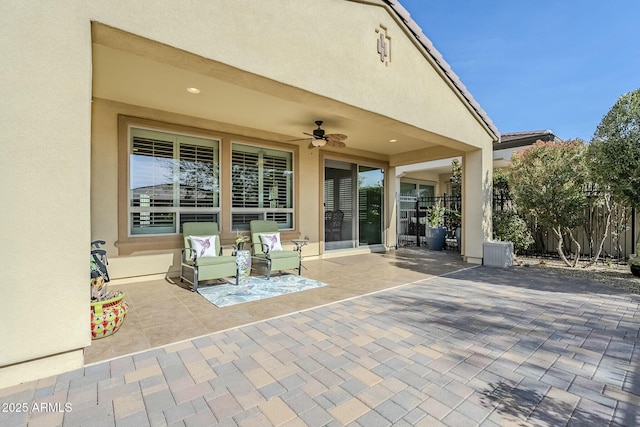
(45, 192)
(266, 73)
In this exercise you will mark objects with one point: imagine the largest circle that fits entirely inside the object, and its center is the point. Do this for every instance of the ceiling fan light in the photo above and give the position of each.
(319, 142)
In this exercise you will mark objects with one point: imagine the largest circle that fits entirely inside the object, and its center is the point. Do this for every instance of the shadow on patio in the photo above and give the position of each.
(547, 349)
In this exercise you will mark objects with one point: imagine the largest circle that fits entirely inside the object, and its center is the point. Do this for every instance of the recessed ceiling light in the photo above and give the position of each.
(393, 140)
(193, 90)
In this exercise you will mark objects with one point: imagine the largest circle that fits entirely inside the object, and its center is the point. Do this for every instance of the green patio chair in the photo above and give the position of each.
(277, 259)
(202, 263)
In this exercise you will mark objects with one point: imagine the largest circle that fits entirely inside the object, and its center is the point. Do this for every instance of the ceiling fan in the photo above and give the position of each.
(319, 138)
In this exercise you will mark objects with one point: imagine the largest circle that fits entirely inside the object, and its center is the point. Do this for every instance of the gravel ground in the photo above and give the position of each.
(618, 276)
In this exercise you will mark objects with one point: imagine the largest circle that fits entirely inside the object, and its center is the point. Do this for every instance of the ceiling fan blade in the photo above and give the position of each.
(311, 137)
(335, 136)
(335, 144)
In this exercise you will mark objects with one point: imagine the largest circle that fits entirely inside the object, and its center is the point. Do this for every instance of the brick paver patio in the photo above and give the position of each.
(481, 346)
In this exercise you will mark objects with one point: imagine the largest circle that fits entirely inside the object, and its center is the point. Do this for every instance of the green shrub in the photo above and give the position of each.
(508, 226)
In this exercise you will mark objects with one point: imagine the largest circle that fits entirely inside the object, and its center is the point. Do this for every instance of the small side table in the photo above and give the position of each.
(300, 243)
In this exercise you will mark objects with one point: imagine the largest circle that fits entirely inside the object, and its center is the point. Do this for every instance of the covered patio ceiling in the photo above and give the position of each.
(137, 71)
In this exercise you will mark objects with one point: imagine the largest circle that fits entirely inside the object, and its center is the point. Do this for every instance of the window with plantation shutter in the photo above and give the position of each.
(276, 177)
(245, 178)
(262, 186)
(329, 204)
(345, 196)
(172, 179)
(198, 176)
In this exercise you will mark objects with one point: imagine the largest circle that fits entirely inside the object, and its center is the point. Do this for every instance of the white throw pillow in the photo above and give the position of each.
(204, 246)
(272, 240)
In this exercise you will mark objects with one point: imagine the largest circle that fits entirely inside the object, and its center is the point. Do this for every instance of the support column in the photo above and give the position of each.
(477, 183)
(391, 216)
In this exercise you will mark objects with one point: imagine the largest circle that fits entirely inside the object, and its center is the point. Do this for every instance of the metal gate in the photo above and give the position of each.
(412, 218)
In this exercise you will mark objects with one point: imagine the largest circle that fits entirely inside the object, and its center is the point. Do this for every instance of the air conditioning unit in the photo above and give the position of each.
(497, 254)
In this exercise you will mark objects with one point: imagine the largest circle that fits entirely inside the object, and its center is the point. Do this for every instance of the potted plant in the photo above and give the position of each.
(436, 231)
(108, 310)
(243, 257)
(240, 241)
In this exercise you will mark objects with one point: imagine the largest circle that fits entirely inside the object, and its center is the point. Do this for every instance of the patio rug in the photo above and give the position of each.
(254, 288)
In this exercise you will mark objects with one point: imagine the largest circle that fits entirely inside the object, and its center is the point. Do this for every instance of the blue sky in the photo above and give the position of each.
(558, 65)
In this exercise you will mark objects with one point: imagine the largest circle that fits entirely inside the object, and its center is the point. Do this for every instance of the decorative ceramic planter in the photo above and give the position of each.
(107, 316)
(243, 259)
(98, 288)
(436, 238)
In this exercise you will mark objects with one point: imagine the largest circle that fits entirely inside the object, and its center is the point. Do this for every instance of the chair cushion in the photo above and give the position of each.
(272, 240)
(283, 254)
(218, 260)
(204, 246)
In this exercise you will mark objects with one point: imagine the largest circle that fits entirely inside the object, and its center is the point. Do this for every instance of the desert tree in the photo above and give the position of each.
(613, 154)
(547, 181)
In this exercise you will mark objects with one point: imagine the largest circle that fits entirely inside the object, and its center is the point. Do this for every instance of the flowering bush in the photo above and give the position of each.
(547, 181)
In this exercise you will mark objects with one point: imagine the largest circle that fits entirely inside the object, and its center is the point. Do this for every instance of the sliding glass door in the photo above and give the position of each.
(340, 183)
(353, 205)
(370, 205)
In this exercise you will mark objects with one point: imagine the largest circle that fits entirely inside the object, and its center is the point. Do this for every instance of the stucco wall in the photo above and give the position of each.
(44, 157)
(278, 40)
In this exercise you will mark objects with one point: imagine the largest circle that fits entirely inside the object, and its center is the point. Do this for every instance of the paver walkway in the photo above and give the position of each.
(480, 346)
